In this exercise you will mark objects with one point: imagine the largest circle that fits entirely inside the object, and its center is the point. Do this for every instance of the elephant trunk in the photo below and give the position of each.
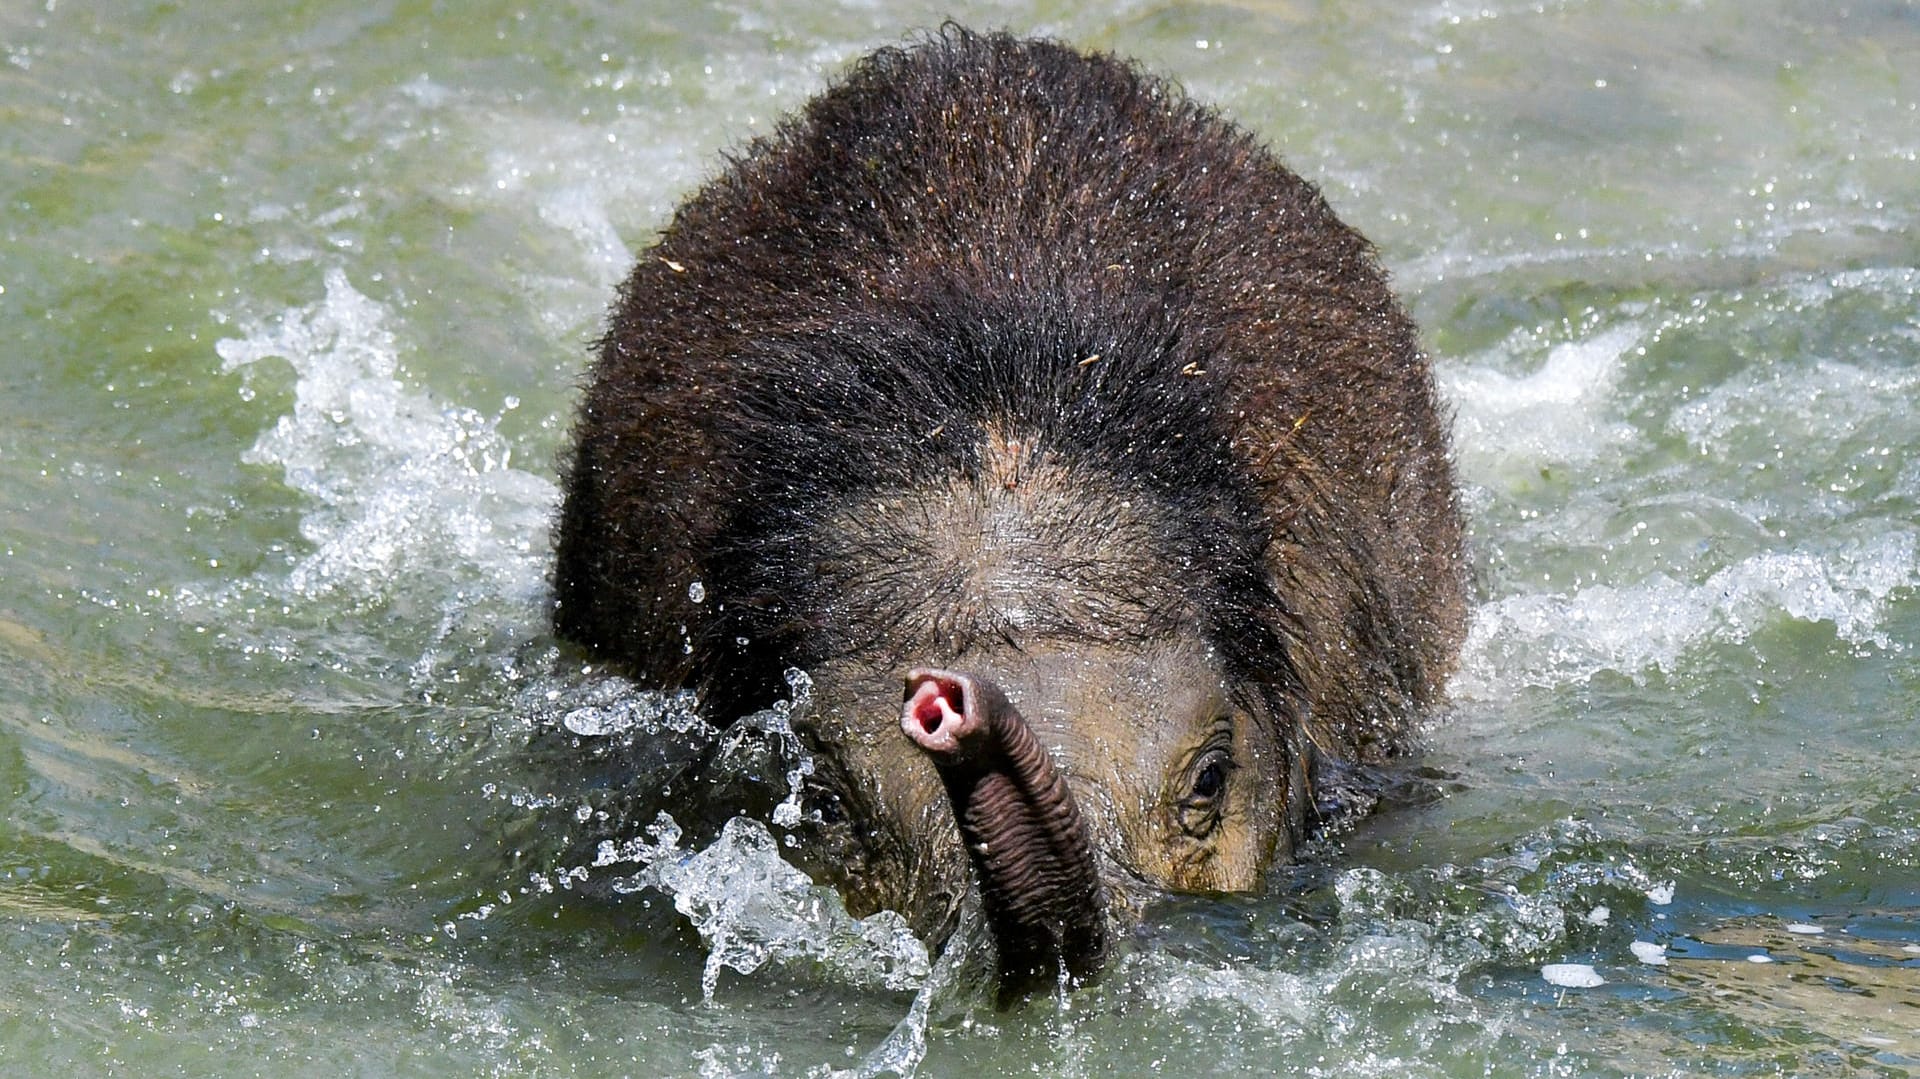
(1023, 831)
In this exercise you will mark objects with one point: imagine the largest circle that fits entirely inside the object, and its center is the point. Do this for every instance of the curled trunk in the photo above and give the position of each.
(1022, 829)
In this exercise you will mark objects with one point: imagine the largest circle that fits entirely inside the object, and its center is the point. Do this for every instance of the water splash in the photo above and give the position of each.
(400, 485)
(608, 706)
(751, 907)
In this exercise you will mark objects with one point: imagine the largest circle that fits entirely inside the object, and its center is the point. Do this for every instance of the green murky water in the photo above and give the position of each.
(294, 304)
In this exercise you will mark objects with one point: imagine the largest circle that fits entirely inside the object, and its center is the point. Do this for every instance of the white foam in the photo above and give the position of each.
(1572, 975)
(1557, 413)
(1653, 955)
(399, 484)
(1801, 406)
(1825, 535)
(1557, 638)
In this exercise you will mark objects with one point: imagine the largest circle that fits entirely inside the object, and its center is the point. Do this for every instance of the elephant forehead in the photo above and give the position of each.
(1026, 549)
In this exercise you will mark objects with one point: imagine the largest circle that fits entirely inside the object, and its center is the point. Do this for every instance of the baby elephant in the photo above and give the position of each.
(1046, 420)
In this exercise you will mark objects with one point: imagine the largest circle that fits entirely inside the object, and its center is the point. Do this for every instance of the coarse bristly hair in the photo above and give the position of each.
(1000, 267)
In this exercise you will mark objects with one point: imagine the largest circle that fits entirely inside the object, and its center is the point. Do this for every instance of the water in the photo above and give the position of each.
(295, 302)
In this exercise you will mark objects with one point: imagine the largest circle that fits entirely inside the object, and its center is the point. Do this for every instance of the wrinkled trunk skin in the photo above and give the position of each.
(1022, 829)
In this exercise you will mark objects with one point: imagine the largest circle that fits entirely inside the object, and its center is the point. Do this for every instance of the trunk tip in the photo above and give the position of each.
(939, 711)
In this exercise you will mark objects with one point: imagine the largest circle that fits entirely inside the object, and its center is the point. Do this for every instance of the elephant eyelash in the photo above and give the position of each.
(1200, 810)
(1211, 783)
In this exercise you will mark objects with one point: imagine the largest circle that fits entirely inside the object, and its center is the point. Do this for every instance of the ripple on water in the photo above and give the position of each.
(1614, 473)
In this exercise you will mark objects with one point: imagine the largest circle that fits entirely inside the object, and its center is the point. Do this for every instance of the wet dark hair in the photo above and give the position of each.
(977, 234)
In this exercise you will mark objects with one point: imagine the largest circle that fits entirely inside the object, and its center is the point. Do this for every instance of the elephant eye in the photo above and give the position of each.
(1200, 809)
(1211, 780)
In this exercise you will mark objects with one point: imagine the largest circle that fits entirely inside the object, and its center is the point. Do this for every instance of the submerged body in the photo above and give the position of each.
(1073, 447)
